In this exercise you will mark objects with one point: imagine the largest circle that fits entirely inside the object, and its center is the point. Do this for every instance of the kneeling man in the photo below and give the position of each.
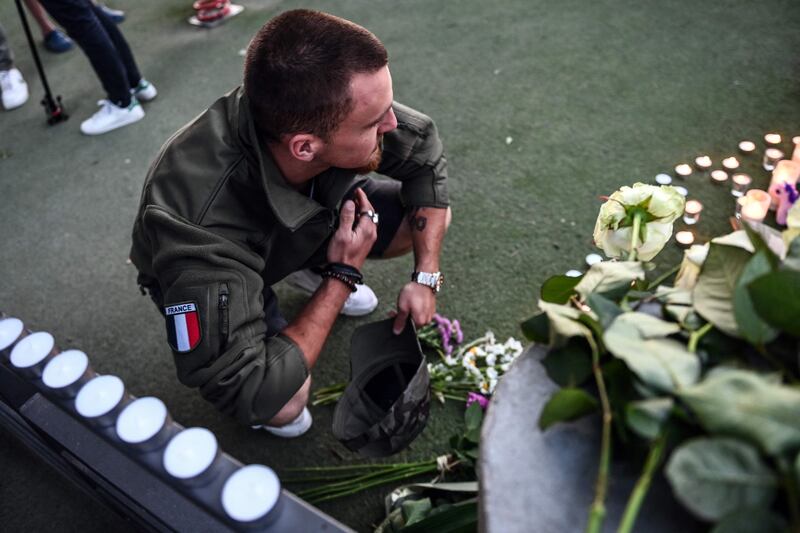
(268, 184)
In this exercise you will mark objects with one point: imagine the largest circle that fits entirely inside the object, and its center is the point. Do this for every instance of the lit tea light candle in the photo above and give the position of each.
(663, 179)
(683, 191)
(683, 170)
(250, 493)
(762, 197)
(67, 372)
(796, 140)
(99, 396)
(771, 158)
(740, 184)
(703, 162)
(10, 331)
(719, 176)
(785, 172)
(592, 259)
(573, 273)
(753, 212)
(141, 420)
(747, 147)
(190, 453)
(772, 138)
(691, 213)
(684, 238)
(730, 163)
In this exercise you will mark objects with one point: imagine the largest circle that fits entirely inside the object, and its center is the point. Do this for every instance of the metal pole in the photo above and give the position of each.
(52, 107)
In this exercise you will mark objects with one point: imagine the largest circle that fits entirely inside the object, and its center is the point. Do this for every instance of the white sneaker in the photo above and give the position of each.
(111, 117)
(359, 303)
(293, 429)
(15, 90)
(144, 91)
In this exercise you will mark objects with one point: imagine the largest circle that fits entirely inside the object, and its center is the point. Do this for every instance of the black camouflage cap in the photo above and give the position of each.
(386, 404)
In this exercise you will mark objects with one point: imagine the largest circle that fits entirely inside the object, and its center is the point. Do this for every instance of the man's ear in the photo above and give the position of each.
(304, 146)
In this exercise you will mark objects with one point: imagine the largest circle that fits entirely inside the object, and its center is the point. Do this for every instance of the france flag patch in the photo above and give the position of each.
(183, 326)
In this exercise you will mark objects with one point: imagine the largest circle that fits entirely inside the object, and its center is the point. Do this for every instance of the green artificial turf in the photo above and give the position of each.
(591, 95)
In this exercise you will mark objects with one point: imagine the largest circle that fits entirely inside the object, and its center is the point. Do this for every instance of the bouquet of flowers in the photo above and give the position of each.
(463, 372)
(704, 373)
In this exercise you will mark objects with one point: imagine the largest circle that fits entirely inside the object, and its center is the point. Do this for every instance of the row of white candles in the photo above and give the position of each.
(751, 205)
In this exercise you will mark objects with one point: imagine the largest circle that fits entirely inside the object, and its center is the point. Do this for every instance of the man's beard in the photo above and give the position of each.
(374, 160)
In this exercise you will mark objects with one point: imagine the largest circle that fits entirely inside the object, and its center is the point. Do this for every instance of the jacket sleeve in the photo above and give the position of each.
(229, 356)
(413, 154)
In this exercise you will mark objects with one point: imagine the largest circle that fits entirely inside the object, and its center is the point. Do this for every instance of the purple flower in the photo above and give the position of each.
(473, 397)
(457, 329)
(444, 333)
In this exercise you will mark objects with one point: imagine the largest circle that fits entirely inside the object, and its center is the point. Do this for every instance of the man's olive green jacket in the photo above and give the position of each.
(217, 224)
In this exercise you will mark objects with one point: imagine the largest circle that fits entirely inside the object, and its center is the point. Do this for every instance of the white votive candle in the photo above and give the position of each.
(65, 369)
(796, 153)
(719, 176)
(772, 138)
(762, 197)
(663, 179)
(703, 162)
(10, 330)
(141, 420)
(747, 147)
(683, 191)
(771, 158)
(250, 493)
(190, 453)
(573, 273)
(684, 238)
(753, 212)
(691, 212)
(592, 259)
(730, 163)
(740, 184)
(683, 170)
(99, 396)
(32, 350)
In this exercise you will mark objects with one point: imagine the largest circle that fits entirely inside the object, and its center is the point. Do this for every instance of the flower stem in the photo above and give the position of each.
(696, 335)
(637, 227)
(358, 488)
(663, 277)
(642, 484)
(597, 512)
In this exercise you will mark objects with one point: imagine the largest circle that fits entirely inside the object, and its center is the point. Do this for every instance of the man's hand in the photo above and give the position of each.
(415, 300)
(351, 245)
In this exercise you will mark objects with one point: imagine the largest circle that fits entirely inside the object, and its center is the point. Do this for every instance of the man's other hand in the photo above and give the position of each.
(351, 243)
(415, 300)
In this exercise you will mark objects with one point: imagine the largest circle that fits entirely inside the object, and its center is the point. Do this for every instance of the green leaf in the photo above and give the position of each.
(744, 404)
(605, 309)
(416, 510)
(647, 417)
(639, 340)
(566, 405)
(792, 260)
(473, 416)
(776, 297)
(458, 518)
(569, 365)
(750, 324)
(767, 239)
(564, 323)
(537, 328)
(713, 294)
(610, 278)
(715, 476)
(751, 520)
(559, 289)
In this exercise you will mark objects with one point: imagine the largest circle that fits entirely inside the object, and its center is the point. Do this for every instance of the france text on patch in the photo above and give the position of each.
(183, 326)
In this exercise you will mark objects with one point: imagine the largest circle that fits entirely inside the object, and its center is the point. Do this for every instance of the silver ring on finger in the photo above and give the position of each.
(373, 216)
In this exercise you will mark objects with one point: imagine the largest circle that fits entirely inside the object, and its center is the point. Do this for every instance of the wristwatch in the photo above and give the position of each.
(433, 280)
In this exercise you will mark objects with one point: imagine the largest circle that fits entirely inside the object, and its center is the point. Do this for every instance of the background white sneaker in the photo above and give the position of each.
(111, 117)
(293, 429)
(359, 303)
(15, 90)
(145, 91)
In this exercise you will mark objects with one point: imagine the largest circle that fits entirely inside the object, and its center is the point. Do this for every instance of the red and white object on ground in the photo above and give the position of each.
(210, 13)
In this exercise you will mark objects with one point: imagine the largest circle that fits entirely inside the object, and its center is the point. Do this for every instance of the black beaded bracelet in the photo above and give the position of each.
(345, 270)
(341, 277)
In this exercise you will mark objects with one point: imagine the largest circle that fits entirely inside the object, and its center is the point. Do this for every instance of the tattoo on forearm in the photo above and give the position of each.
(417, 221)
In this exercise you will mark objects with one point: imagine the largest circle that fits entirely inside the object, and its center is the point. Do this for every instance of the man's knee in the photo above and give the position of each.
(293, 407)
(402, 243)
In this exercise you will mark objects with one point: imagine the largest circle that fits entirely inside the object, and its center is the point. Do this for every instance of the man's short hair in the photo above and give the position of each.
(298, 69)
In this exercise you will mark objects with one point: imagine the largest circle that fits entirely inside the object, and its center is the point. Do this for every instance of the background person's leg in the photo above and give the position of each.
(54, 39)
(6, 55)
(82, 24)
(124, 51)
